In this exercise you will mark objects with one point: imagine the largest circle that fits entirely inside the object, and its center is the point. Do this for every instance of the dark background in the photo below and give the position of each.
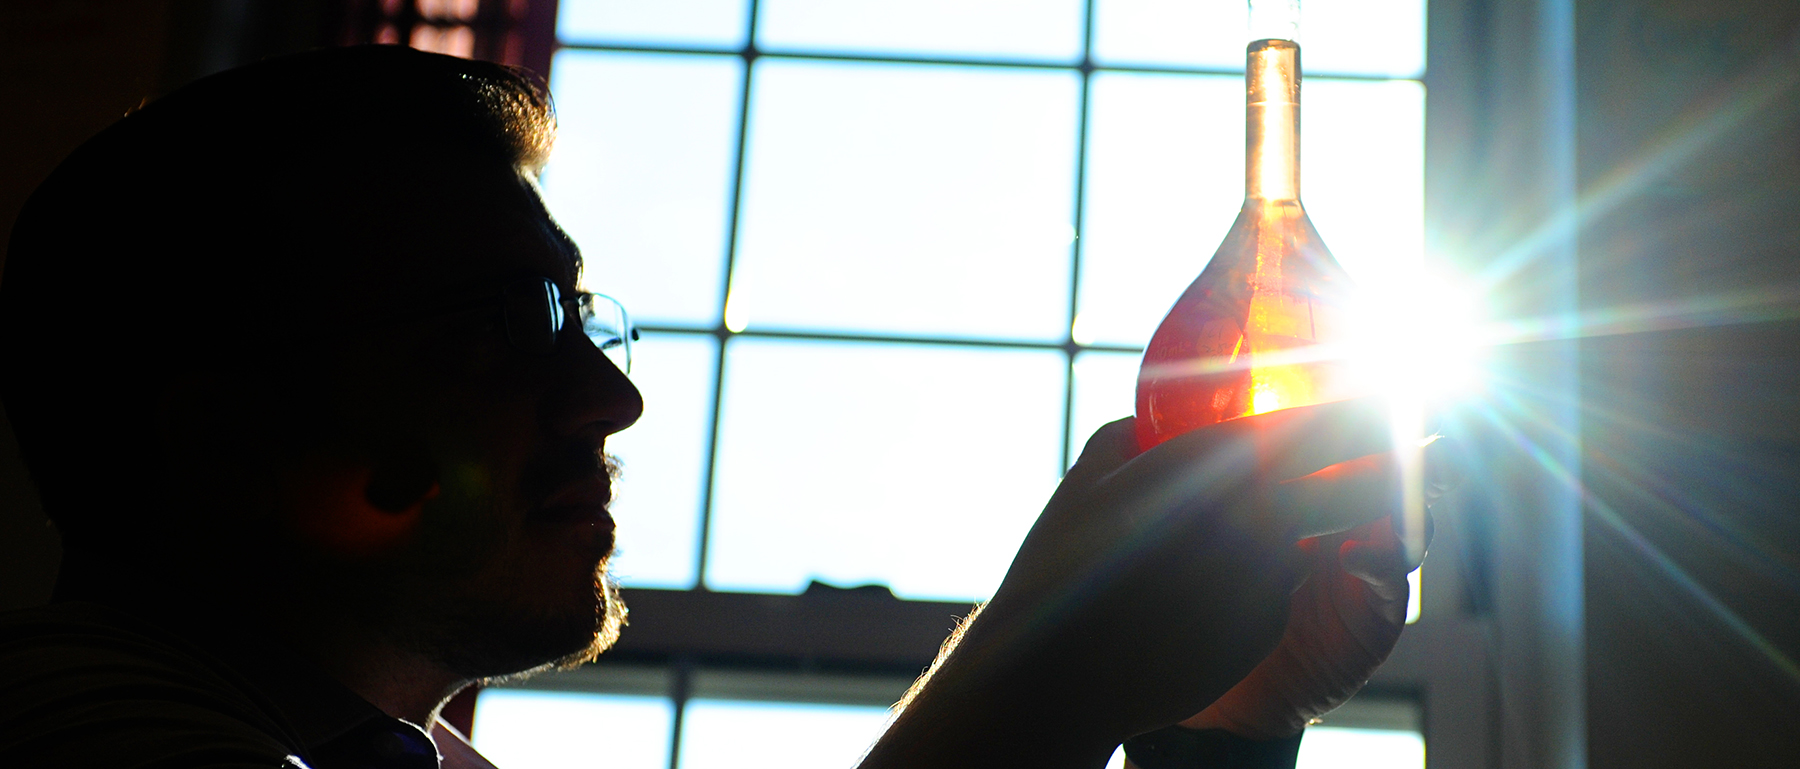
(1691, 438)
(1688, 134)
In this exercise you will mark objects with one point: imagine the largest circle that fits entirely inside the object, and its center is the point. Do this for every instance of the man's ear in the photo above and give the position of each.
(355, 509)
(403, 480)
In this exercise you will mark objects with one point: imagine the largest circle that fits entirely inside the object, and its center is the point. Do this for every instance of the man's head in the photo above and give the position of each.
(254, 344)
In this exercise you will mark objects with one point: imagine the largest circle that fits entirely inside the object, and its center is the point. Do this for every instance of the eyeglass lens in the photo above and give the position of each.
(604, 321)
(535, 316)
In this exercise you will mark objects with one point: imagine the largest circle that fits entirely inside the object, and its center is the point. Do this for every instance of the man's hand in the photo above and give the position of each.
(1342, 623)
(1149, 587)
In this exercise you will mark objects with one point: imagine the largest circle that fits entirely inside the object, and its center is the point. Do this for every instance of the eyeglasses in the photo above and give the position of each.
(535, 311)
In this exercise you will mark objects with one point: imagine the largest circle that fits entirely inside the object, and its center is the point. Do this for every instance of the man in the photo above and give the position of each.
(298, 361)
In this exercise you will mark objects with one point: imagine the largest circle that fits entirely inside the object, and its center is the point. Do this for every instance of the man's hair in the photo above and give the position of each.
(207, 227)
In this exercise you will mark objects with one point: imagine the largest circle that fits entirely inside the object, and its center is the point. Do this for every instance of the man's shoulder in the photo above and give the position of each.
(84, 685)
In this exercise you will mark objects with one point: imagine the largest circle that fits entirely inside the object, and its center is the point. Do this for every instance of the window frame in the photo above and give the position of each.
(1444, 662)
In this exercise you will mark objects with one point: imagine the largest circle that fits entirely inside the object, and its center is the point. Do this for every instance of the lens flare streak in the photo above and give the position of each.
(1751, 93)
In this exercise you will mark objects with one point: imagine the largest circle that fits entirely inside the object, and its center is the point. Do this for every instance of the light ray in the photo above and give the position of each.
(1644, 484)
(1755, 305)
(1512, 426)
(1669, 568)
(1749, 94)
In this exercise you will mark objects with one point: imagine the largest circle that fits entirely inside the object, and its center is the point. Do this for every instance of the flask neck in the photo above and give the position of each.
(1272, 120)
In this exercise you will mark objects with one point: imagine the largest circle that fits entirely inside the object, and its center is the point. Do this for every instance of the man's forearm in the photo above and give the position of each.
(951, 727)
(970, 710)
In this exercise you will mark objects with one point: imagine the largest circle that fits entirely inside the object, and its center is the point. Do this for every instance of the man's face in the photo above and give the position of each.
(506, 569)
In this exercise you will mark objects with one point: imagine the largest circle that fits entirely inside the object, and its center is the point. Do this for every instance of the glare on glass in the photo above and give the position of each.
(641, 176)
(559, 730)
(663, 462)
(916, 466)
(731, 734)
(1165, 179)
(926, 200)
(1105, 390)
(666, 22)
(984, 29)
(1328, 747)
(1381, 38)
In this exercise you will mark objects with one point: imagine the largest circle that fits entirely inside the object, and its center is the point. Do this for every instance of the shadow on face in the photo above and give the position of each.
(499, 564)
(237, 376)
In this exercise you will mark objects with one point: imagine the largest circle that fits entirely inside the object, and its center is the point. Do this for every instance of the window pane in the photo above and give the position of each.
(1165, 180)
(1105, 390)
(1384, 38)
(1193, 33)
(1363, 37)
(908, 199)
(641, 176)
(669, 22)
(917, 466)
(1327, 747)
(726, 734)
(1363, 145)
(555, 730)
(663, 461)
(1003, 29)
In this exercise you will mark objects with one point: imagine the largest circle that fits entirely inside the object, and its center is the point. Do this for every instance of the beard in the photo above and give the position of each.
(490, 601)
(496, 638)
(599, 639)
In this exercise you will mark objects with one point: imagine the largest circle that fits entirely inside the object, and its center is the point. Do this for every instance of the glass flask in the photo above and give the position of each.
(1267, 323)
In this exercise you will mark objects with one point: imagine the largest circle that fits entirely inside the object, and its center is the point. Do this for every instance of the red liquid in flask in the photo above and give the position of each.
(1267, 324)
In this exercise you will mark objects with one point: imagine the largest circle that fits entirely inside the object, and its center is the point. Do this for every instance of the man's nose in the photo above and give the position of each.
(591, 394)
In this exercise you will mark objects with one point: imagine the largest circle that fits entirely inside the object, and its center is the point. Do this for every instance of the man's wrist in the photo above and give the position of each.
(1178, 747)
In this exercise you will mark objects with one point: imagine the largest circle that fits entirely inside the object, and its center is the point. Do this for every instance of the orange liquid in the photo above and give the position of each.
(1264, 327)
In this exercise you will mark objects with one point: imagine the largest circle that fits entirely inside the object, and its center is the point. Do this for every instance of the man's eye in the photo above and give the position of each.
(478, 328)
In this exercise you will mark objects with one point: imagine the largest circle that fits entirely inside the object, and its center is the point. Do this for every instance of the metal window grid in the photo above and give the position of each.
(681, 662)
(749, 54)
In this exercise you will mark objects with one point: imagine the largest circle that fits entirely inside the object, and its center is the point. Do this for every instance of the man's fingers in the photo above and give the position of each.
(1298, 441)
(1377, 558)
(1340, 497)
(1430, 532)
(1287, 443)
(1333, 466)
(1443, 472)
(1374, 554)
(1350, 494)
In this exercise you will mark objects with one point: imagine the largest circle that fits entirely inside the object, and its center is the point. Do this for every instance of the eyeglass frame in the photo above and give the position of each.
(548, 294)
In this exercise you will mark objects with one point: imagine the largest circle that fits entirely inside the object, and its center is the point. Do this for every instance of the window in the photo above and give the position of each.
(895, 236)
(893, 263)
(622, 717)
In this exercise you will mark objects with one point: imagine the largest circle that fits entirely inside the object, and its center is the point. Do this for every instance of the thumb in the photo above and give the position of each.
(1374, 555)
(1110, 447)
